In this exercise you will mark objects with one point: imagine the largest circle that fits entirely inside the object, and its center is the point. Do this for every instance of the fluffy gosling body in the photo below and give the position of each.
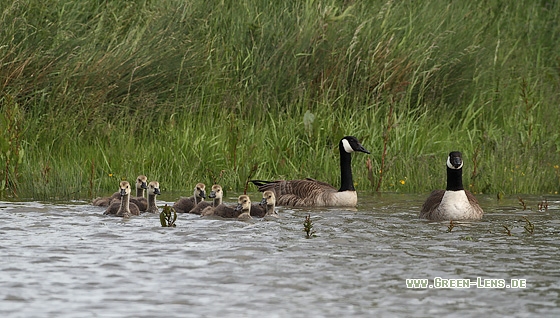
(123, 208)
(184, 205)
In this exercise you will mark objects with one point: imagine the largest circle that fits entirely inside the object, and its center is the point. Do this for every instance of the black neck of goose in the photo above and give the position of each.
(454, 179)
(346, 182)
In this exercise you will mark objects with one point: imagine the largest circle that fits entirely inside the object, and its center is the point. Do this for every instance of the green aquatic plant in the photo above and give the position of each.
(507, 230)
(308, 227)
(529, 226)
(450, 227)
(522, 203)
(168, 216)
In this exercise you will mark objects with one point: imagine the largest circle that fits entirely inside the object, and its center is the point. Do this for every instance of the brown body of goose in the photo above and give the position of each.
(184, 205)
(266, 206)
(123, 207)
(455, 202)
(230, 212)
(310, 192)
(141, 184)
(216, 194)
(153, 190)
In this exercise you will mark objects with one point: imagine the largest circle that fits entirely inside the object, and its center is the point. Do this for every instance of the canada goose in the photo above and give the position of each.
(184, 205)
(244, 206)
(123, 207)
(140, 186)
(229, 212)
(216, 194)
(310, 192)
(153, 190)
(453, 203)
(266, 206)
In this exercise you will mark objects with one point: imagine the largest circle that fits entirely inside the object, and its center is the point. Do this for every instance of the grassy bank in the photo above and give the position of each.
(97, 91)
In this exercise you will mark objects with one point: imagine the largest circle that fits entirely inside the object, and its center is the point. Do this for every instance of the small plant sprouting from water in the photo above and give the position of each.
(543, 205)
(308, 227)
(507, 230)
(529, 226)
(168, 216)
(450, 227)
(522, 203)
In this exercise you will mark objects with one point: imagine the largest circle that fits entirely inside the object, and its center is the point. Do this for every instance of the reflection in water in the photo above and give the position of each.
(69, 260)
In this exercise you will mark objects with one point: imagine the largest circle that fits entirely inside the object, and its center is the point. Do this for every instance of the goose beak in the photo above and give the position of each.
(455, 161)
(123, 192)
(202, 194)
(362, 149)
(239, 207)
(263, 202)
(212, 194)
(156, 191)
(144, 186)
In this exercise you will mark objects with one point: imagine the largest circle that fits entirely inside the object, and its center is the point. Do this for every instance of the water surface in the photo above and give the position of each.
(69, 260)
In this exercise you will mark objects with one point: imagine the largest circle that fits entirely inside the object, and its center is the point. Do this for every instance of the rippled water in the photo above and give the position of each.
(69, 260)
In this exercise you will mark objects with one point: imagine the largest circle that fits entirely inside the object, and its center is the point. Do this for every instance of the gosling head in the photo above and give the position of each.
(216, 192)
(243, 203)
(124, 188)
(268, 199)
(200, 190)
(153, 188)
(350, 144)
(142, 182)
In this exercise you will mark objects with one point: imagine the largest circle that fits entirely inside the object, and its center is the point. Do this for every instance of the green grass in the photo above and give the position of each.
(186, 92)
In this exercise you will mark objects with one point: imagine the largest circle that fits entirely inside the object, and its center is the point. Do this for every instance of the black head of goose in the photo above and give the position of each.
(310, 192)
(216, 194)
(184, 205)
(153, 190)
(123, 207)
(455, 202)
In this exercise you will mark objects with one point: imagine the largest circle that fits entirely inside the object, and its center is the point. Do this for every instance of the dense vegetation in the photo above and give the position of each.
(188, 91)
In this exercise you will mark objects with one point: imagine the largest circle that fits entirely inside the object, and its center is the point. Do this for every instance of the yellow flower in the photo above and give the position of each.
(402, 182)
(110, 174)
(556, 167)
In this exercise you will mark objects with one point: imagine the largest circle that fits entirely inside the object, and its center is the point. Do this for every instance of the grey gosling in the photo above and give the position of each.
(454, 203)
(216, 194)
(106, 201)
(266, 206)
(310, 192)
(123, 207)
(153, 190)
(227, 211)
(184, 205)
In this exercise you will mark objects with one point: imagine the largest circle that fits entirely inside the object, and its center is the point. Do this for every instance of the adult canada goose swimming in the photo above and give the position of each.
(184, 205)
(310, 192)
(153, 190)
(216, 194)
(227, 211)
(454, 203)
(123, 207)
(266, 206)
(140, 186)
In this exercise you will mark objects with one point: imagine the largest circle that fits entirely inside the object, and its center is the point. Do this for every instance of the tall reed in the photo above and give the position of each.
(185, 92)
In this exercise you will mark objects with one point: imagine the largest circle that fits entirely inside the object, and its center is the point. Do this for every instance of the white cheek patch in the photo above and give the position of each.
(347, 146)
(451, 166)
